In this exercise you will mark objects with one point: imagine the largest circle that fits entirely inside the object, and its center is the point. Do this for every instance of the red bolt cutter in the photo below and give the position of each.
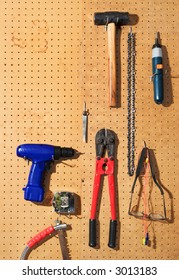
(105, 141)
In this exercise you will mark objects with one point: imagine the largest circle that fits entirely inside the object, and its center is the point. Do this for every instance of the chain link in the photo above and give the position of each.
(131, 102)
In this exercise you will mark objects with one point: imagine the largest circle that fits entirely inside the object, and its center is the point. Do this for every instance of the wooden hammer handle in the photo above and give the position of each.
(112, 64)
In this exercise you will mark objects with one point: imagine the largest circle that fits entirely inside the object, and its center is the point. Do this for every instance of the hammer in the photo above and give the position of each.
(111, 20)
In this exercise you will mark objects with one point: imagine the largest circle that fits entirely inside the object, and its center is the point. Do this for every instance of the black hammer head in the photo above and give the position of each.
(119, 18)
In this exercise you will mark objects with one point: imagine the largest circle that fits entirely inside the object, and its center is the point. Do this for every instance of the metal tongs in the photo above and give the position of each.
(146, 155)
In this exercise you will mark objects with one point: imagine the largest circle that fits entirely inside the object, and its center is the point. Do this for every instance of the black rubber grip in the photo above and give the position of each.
(92, 233)
(112, 234)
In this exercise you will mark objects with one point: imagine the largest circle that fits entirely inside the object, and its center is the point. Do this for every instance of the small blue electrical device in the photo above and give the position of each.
(157, 71)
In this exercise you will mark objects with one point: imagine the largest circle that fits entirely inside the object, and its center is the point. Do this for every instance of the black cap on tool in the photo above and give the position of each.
(63, 152)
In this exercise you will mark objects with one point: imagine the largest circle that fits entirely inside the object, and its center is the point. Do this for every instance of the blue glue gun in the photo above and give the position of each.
(41, 155)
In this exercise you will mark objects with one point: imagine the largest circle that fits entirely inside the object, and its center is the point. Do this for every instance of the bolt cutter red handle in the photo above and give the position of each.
(104, 166)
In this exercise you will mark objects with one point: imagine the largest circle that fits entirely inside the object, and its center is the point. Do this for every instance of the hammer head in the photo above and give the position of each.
(118, 18)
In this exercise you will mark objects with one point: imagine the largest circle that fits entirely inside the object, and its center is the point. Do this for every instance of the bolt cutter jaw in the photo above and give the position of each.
(105, 141)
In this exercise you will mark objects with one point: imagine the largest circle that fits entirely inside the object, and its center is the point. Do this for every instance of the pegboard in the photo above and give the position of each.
(53, 58)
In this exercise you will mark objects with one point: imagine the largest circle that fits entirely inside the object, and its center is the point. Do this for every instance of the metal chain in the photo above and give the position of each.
(131, 102)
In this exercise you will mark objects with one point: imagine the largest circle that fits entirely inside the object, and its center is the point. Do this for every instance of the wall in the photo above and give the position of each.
(53, 58)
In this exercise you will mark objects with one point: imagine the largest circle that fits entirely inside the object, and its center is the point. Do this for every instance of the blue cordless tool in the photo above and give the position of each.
(41, 155)
(157, 70)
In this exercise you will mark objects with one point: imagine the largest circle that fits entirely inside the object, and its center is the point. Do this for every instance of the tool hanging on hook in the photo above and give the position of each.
(143, 171)
(42, 237)
(131, 41)
(111, 20)
(105, 141)
(157, 70)
(64, 203)
(42, 156)
(85, 124)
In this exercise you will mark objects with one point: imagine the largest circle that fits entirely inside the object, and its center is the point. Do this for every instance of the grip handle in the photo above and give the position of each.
(34, 190)
(40, 236)
(112, 64)
(92, 233)
(112, 234)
